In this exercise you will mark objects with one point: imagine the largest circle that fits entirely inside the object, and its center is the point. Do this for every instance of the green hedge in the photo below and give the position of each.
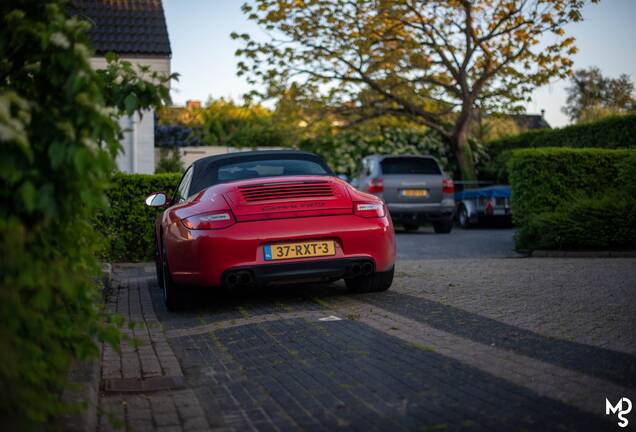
(565, 198)
(610, 133)
(128, 226)
(598, 222)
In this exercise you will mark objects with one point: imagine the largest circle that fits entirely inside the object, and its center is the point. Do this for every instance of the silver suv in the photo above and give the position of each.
(414, 188)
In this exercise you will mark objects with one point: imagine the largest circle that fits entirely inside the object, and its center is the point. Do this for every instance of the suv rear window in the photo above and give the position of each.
(409, 165)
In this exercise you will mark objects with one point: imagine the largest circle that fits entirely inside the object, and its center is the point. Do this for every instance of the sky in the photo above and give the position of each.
(203, 53)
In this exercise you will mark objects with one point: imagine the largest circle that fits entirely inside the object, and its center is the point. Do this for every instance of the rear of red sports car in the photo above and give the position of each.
(258, 218)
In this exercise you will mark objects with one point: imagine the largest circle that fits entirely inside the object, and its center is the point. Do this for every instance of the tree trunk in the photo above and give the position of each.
(464, 156)
(460, 146)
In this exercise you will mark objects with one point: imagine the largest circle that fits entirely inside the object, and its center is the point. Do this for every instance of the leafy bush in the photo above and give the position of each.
(597, 222)
(59, 137)
(170, 136)
(224, 123)
(573, 198)
(611, 133)
(53, 172)
(627, 174)
(169, 161)
(343, 151)
(128, 226)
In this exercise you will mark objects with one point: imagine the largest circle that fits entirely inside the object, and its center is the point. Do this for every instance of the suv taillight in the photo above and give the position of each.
(448, 186)
(376, 185)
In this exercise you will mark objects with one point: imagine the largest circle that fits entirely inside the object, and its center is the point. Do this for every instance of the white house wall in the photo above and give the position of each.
(138, 143)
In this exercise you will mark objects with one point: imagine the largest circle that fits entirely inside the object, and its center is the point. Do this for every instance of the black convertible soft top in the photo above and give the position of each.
(205, 170)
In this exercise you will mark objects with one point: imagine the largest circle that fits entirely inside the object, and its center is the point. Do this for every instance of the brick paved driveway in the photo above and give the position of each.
(508, 344)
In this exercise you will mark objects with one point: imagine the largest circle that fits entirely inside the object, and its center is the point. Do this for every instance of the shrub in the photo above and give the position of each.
(610, 133)
(597, 222)
(170, 161)
(169, 136)
(128, 225)
(59, 136)
(53, 174)
(573, 198)
(343, 151)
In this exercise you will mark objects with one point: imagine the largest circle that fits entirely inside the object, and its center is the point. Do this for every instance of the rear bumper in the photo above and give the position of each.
(202, 257)
(420, 213)
(323, 270)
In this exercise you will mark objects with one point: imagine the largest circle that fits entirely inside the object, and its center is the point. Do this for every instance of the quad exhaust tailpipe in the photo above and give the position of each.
(239, 278)
(367, 269)
(363, 268)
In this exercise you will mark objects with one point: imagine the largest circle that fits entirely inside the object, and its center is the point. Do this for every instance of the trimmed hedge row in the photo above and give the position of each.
(567, 198)
(128, 226)
(612, 133)
(606, 222)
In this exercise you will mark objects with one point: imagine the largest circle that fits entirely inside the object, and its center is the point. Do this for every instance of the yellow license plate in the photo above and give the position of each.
(299, 250)
(414, 192)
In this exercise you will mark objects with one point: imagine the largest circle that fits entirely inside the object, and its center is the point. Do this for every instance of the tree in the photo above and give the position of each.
(226, 123)
(428, 60)
(170, 160)
(58, 140)
(593, 96)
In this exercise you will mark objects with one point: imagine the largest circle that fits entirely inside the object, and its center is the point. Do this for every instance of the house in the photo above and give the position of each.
(135, 30)
(526, 122)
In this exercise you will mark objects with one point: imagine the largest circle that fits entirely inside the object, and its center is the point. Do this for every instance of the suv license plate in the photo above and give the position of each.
(420, 193)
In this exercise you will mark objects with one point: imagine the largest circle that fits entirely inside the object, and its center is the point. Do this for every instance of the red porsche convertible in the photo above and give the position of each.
(257, 218)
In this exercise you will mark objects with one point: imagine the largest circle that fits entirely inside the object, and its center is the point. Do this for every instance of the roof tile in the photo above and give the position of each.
(126, 26)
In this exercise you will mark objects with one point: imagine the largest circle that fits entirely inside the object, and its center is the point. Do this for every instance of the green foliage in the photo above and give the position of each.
(612, 133)
(343, 151)
(598, 222)
(169, 161)
(573, 198)
(128, 226)
(433, 62)
(131, 88)
(59, 136)
(593, 96)
(225, 123)
(627, 174)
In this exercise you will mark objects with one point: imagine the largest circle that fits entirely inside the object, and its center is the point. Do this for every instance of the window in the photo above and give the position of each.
(181, 194)
(363, 169)
(269, 168)
(410, 165)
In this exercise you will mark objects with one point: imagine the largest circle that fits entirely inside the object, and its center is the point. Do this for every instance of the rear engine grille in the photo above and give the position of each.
(286, 191)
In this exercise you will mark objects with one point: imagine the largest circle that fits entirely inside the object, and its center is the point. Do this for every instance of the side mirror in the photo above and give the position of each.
(343, 176)
(157, 199)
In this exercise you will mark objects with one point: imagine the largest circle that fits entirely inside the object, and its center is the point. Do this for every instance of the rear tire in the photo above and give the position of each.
(375, 282)
(174, 296)
(410, 227)
(443, 227)
(158, 266)
(462, 217)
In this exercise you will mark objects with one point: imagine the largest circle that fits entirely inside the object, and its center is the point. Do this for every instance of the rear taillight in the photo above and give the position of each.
(376, 185)
(369, 210)
(209, 221)
(448, 186)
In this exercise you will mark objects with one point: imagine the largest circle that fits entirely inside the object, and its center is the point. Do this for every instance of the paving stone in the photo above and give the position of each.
(516, 344)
